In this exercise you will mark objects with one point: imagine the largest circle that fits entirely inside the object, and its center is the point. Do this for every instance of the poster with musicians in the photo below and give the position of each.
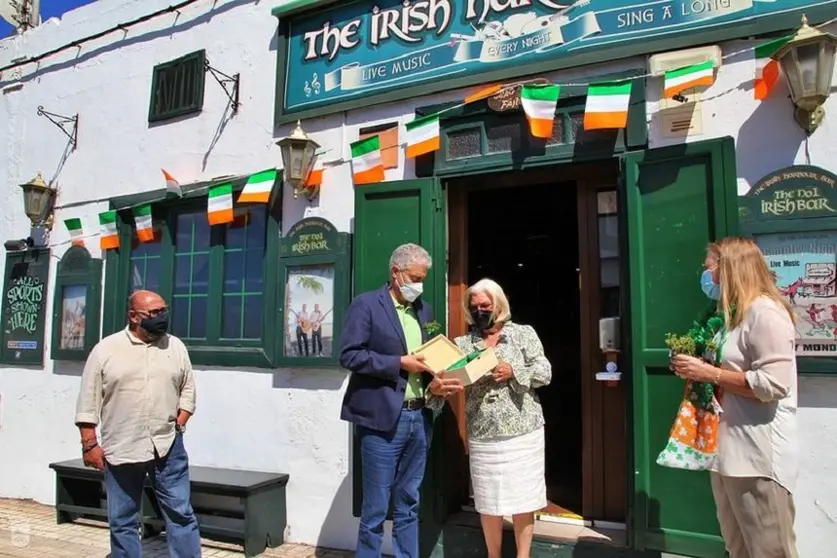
(309, 301)
(804, 265)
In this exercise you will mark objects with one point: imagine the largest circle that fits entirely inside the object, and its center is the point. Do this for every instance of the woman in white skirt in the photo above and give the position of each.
(504, 418)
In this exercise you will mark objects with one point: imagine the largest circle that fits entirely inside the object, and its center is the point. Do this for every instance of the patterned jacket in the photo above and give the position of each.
(509, 408)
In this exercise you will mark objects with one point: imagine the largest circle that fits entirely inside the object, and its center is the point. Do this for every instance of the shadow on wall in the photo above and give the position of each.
(309, 379)
(338, 524)
(817, 392)
(130, 40)
(68, 368)
(770, 138)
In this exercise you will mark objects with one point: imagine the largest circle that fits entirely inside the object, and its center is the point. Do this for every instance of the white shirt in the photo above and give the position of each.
(758, 437)
(133, 390)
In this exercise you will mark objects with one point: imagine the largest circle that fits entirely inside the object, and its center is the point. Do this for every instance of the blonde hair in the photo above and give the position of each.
(501, 313)
(744, 276)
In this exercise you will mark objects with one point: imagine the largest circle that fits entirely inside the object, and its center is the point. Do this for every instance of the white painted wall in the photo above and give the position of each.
(281, 420)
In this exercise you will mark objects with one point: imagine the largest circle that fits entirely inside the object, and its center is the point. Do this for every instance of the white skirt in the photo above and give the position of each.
(507, 474)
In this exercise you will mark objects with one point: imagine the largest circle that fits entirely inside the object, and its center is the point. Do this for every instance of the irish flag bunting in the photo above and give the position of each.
(172, 185)
(109, 235)
(367, 166)
(220, 205)
(677, 81)
(539, 102)
(258, 187)
(423, 135)
(75, 229)
(607, 105)
(315, 177)
(144, 223)
(767, 69)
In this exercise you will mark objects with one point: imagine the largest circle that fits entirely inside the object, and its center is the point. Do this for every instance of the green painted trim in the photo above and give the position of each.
(735, 30)
(721, 152)
(290, 7)
(92, 278)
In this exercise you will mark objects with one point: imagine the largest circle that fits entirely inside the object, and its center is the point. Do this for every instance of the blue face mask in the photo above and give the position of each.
(709, 286)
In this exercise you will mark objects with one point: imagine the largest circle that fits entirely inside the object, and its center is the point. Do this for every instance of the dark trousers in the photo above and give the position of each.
(301, 340)
(317, 341)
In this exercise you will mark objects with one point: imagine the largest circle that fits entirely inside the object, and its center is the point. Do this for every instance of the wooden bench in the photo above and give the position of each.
(247, 507)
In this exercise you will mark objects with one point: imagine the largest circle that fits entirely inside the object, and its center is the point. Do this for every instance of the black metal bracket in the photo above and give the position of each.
(63, 123)
(230, 84)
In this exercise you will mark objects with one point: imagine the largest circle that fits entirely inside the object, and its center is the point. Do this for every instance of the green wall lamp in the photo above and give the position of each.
(807, 60)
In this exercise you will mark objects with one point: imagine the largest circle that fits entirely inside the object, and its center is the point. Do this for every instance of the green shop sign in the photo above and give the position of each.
(357, 49)
(23, 309)
(793, 192)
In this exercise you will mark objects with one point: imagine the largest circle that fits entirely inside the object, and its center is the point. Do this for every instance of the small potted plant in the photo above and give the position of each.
(680, 345)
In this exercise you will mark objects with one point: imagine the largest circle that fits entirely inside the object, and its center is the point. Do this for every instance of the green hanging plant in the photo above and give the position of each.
(700, 342)
(432, 328)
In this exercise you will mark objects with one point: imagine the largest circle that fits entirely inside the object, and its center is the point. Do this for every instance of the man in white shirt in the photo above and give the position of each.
(138, 388)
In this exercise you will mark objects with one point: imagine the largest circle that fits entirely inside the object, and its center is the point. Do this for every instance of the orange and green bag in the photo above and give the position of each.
(693, 439)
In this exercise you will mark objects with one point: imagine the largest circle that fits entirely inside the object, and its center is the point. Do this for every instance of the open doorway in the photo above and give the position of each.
(525, 237)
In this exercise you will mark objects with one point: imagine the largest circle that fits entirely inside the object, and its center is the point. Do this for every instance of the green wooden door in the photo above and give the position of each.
(387, 215)
(678, 200)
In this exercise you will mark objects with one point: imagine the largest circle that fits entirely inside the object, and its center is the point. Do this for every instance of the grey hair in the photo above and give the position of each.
(409, 254)
(501, 312)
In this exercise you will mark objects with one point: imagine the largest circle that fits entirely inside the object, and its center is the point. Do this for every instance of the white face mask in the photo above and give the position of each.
(411, 291)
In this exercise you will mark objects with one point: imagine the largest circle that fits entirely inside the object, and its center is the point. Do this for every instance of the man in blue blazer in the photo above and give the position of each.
(385, 399)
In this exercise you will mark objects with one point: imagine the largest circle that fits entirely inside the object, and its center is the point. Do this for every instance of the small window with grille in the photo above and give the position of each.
(177, 87)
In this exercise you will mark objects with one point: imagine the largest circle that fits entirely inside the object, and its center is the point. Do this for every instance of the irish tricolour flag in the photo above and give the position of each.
(144, 223)
(767, 69)
(423, 135)
(109, 235)
(258, 187)
(539, 102)
(678, 81)
(367, 166)
(219, 206)
(607, 105)
(76, 233)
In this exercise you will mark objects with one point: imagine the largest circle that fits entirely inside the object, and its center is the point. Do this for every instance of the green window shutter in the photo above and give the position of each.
(678, 200)
(177, 87)
(386, 216)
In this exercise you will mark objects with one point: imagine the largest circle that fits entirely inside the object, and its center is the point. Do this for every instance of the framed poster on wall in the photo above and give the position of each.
(804, 265)
(23, 314)
(792, 215)
(314, 263)
(75, 309)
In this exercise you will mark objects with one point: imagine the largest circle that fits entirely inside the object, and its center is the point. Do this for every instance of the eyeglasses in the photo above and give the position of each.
(153, 312)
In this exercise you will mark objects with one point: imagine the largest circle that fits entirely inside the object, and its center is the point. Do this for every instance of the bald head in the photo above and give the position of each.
(143, 301)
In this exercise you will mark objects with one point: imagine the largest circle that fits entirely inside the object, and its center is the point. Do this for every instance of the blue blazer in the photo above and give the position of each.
(371, 347)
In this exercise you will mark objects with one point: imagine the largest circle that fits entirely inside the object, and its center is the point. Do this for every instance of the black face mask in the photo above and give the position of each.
(482, 319)
(157, 325)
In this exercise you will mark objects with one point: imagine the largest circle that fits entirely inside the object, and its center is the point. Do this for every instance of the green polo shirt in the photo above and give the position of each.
(412, 334)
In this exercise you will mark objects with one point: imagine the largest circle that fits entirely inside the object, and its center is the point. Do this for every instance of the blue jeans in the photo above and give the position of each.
(393, 468)
(170, 478)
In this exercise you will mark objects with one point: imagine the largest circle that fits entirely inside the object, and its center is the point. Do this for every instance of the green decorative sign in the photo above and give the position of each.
(796, 192)
(24, 307)
(310, 237)
(356, 50)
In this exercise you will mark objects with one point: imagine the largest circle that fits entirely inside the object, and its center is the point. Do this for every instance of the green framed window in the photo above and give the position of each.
(177, 87)
(220, 288)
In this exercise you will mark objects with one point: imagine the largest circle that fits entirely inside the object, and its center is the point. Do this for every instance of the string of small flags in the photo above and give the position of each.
(606, 106)
(220, 208)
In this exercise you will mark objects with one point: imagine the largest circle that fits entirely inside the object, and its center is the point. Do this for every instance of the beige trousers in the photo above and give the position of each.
(756, 517)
